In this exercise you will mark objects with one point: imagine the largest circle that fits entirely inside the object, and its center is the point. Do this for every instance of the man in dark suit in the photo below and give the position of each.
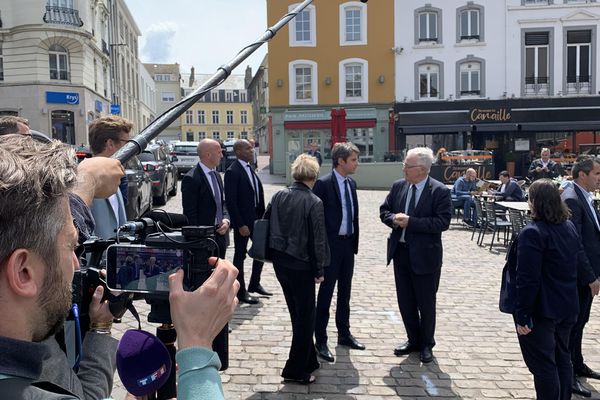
(314, 151)
(510, 189)
(246, 202)
(543, 167)
(586, 179)
(202, 194)
(338, 193)
(418, 209)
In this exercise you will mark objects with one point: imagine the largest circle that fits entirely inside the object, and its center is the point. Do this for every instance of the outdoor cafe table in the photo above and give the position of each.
(522, 206)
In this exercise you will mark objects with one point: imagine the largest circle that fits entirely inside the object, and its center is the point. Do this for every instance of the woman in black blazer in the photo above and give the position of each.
(546, 291)
(300, 252)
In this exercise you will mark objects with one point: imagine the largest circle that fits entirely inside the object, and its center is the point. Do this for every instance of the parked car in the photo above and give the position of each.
(229, 155)
(185, 156)
(139, 189)
(163, 173)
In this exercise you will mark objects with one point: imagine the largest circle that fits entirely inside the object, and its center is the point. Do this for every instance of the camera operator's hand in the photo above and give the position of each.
(99, 311)
(200, 315)
(98, 177)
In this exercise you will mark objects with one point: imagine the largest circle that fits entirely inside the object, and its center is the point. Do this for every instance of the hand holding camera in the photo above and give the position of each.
(200, 315)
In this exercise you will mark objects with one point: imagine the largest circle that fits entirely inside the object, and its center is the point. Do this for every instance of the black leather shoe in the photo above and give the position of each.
(351, 342)
(587, 372)
(426, 355)
(260, 290)
(246, 298)
(579, 389)
(324, 353)
(405, 348)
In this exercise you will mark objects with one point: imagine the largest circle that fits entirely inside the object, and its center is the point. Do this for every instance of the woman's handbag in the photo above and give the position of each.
(260, 241)
(508, 286)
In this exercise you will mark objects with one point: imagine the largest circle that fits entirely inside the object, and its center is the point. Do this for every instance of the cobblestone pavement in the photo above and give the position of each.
(476, 357)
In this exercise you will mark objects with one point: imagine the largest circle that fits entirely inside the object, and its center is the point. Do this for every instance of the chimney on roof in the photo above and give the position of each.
(192, 78)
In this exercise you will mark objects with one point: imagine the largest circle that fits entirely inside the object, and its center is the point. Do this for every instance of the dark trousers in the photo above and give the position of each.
(416, 299)
(241, 245)
(546, 353)
(585, 305)
(299, 291)
(222, 243)
(340, 270)
(468, 204)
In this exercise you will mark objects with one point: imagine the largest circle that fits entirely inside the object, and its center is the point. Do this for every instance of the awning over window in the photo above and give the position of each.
(408, 129)
(561, 126)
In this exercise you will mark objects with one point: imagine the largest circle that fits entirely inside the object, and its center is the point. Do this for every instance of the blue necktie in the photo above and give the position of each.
(413, 200)
(349, 215)
(218, 199)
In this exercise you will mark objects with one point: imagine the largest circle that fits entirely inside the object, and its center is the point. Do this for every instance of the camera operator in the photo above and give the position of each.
(37, 262)
(36, 269)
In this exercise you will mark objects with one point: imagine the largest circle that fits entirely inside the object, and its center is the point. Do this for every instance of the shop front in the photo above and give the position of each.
(511, 132)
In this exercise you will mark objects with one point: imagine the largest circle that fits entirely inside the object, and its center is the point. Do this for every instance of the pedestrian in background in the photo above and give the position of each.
(300, 253)
(546, 291)
(314, 151)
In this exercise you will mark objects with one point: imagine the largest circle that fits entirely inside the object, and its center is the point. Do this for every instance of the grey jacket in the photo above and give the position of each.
(46, 365)
(297, 226)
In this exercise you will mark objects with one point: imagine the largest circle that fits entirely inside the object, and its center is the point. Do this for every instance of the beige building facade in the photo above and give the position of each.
(167, 81)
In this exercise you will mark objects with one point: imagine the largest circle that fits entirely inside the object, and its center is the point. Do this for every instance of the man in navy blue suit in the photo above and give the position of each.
(418, 209)
(245, 200)
(202, 194)
(337, 190)
(586, 179)
(510, 189)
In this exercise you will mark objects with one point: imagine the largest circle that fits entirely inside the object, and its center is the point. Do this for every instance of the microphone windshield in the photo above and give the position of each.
(143, 362)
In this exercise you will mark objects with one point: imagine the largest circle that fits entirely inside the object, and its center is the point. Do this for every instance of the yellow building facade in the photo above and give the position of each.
(334, 61)
(222, 114)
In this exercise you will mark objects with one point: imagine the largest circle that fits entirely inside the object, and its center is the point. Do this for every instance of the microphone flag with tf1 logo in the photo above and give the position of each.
(143, 362)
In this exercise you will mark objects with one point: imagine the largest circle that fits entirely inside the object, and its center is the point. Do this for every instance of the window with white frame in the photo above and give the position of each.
(59, 62)
(214, 96)
(526, 2)
(168, 97)
(470, 79)
(428, 25)
(230, 135)
(429, 81)
(229, 116)
(189, 117)
(215, 117)
(228, 97)
(189, 136)
(353, 23)
(201, 117)
(579, 61)
(243, 97)
(537, 76)
(216, 135)
(244, 135)
(201, 135)
(469, 24)
(303, 28)
(303, 78)
(243, 116)
(354, 81)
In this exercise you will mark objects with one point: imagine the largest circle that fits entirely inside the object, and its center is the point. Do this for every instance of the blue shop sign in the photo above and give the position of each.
(62, 97)
(98, 106)
(115, 109)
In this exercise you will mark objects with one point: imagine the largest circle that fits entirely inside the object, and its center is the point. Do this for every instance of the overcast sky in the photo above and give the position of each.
(201, 33)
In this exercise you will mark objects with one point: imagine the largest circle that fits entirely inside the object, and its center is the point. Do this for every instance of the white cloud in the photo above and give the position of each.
(159, 42)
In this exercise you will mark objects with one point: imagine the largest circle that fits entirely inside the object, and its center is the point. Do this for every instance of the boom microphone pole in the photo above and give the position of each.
(137, 144)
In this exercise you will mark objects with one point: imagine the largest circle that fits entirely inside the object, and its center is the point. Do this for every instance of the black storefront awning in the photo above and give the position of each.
(561, 126)
(496, 127)
(435, 128)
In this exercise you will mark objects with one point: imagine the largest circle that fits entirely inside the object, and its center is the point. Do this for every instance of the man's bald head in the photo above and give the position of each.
(243, 150)
(471, 174)
(209, 152)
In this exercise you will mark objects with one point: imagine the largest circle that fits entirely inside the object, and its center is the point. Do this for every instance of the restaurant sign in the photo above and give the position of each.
(479, 115)
(450, 173)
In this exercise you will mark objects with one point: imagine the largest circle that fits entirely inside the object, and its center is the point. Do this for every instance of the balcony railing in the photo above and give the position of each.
(580, 84)
(62, 15)
(537, 86)
(469, 37)
(470, 92)
(426, 39)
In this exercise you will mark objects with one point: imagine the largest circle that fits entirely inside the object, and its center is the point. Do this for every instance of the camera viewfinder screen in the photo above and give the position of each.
(146, 269)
